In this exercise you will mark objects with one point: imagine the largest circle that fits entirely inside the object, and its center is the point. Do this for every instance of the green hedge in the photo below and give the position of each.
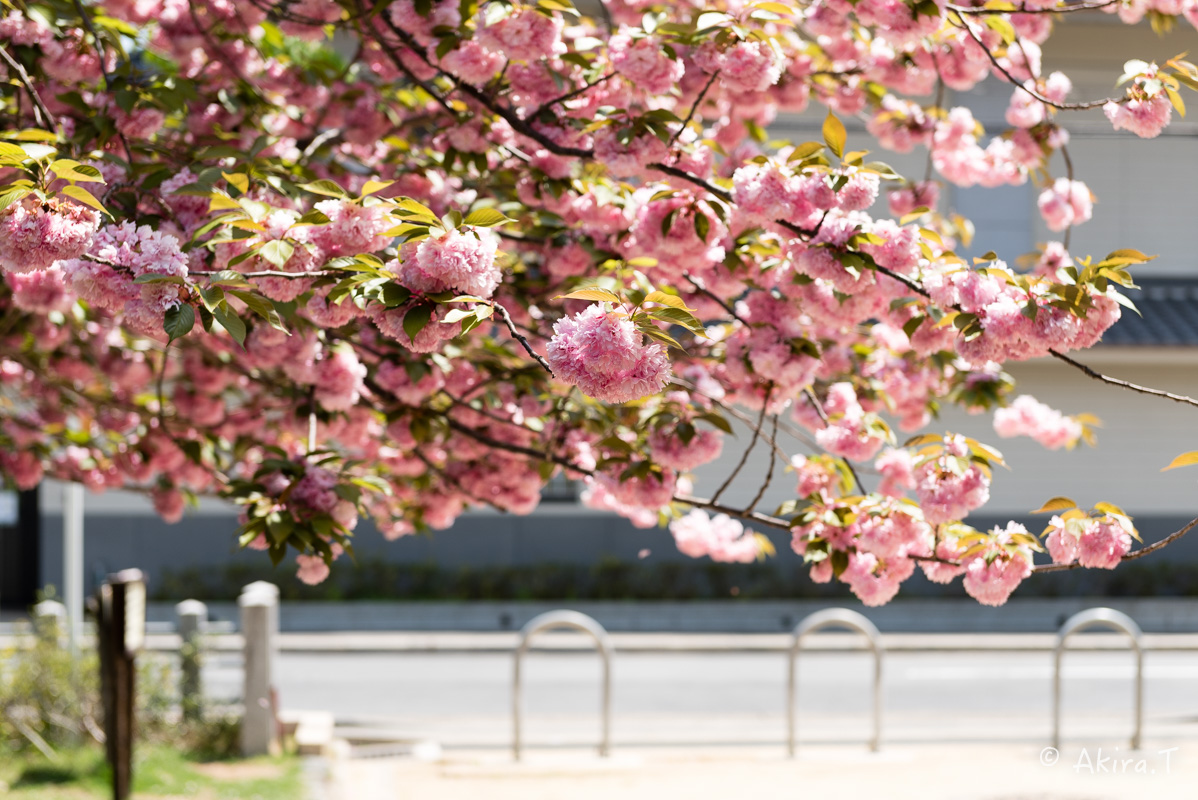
(620, 580)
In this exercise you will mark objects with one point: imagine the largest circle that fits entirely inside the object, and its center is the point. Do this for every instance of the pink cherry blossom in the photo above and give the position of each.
(35, 234)
(1026, 416)
(525, 35)
(643, 62)
(1104, 543)
(1065, 203)
(603, 354)
(1145, 117)
(990, 577)
(460, 260)
(720, 537)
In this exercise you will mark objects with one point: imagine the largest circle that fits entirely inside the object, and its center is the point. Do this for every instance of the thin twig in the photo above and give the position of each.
(702, 288)
(823, 417)
(745, 456)
(769, 475)
(103, 54)
(40, 113)
(548, 104)
(519, 337)
(695, 107)
(1022, 84)
(752, 516)
(1022, 9)
(1135, 387)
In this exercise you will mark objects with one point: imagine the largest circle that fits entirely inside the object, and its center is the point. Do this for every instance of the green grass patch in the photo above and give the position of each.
(158, 772)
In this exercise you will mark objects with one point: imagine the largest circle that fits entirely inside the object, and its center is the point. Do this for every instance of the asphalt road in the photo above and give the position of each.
(463, 700)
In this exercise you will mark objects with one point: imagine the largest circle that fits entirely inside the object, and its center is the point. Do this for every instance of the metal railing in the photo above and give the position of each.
(1098, 618)
(829, 618)
(555, 620)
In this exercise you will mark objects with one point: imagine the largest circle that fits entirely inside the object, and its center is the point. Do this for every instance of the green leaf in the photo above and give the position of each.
(70, 170)
(228, 277)
(679, 316)
(671, 300)
(231, 323)
(1055, 504)
(416, 320)
(178, 321)
(85, 197)
(155, 277)
(1110, 508)
(395, 295)
(260, 306)
(835, 134)
(313, 217)
(12, 151)
(1184, 460)
(8, 198)
(718, 421)
(805, 150)
(486, 218)
(277, 252)
(661, 336)
(598, 295)
(324, 187)
(241, 182)
(372, 186)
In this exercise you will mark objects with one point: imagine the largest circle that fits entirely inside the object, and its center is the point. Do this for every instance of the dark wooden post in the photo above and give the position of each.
(121, 628)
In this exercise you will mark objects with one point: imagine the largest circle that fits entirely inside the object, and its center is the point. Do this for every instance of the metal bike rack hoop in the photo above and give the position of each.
(1098, 618)
(555, 620)
(833, 618)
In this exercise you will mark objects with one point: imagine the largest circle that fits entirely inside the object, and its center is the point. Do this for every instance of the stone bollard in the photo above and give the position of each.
(192, 615)
(259, 604)
(50, 621)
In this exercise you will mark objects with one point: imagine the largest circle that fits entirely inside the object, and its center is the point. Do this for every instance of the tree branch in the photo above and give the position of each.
(702, 288)
(694, 107)
(519, 337)
(769, 475)
(40, 113)
(745, 456)
(1023, 9)
(548, 104)
(823, 416)
(1016, 82)
(1135, 387)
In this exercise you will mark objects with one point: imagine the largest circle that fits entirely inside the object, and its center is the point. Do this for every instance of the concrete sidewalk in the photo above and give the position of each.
(459, 642)
(1162, 770)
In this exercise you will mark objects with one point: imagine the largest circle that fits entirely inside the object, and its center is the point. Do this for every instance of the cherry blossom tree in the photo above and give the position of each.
(403, 259)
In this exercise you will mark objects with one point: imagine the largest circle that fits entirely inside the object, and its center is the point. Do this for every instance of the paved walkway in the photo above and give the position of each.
(1163, 770)
(505, 642)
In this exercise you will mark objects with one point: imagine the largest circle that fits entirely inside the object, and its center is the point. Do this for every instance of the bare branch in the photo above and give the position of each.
(964, 24)
(521, 338)
(1068, 8)
(769, 474)
(40, 113)
(823, 416)
(745, 456)
(570, 95)
(1135, 387)
(695, 107)
(702, 288)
